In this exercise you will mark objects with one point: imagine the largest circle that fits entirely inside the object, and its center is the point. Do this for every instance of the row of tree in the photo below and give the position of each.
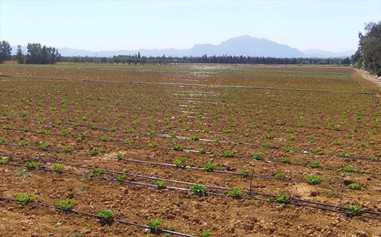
(368, 55)
(36, 54)
(134, 59)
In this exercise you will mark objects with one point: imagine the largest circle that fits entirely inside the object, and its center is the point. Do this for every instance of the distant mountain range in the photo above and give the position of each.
(242, 45)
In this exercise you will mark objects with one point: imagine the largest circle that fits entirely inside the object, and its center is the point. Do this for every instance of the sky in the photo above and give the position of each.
(97, 25)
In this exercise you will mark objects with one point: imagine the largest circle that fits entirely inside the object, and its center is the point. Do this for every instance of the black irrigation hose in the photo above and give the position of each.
(293, 201)
(196, 85)
(80, 213)
(209, 140)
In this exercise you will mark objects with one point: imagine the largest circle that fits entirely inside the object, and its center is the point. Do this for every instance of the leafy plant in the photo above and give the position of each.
(313, 180)
(244, 172)
(317, 150)
(198, 189)
(25, 198)
(94, 151)
(180, 163)
(121, 177)
(279, 176)
(44, 147)
(236, 193)
(177, 147)
(228, 153)
(152, 144)
(58, 168)
(104, 139)
(106, 217)
(286, 160)
(288, 149)
(257, 156)
(268, 136)
(3, 139)
(315, 164)
(129, 142)
(155, 225)
(353, 210)
(205, 233)
(160, 184)
(24, 143)
(65, 205)
(194, 138)
(344, 153)
(201, 150)
(209, 166)
(354, 186)
(4, 160)
(31, 165)
(283, 198)
(23, 174)
(96, 172)
(349, 168)
(68, 149)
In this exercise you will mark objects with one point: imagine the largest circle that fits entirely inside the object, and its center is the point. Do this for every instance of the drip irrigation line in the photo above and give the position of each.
(81, 213)
(293, 201)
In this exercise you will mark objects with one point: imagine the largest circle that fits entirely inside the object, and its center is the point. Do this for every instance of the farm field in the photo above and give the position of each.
(230, 150)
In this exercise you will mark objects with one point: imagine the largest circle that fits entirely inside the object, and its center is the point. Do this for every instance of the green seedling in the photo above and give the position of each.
(65, 205)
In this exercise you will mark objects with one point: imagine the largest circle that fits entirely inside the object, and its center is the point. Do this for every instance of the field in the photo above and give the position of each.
(193, 150)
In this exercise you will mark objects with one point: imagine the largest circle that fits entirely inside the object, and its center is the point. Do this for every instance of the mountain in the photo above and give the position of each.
(316, 53)
(243, 45)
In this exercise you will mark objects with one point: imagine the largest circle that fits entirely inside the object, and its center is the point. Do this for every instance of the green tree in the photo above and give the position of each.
(5, 51)
(368, 55)
(41, 55)
(19, 55)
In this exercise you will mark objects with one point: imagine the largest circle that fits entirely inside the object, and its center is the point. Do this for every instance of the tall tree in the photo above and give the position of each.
(5, 51)
(369, 51)
(41, 55)
(19, 55)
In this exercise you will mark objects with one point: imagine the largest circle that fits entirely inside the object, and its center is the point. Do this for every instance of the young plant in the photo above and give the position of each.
(31, 165)
(236, 193)
(180, 163)
(3, 160)
(257, 156)
(25, 198)
(209, 166)
(279, 176)
(3, 139)
(68, 149)
(94, 151)
(122, 177)
(24, 143)
(129, 142)
(96, 172)
(106, 217)
(228, 154)
(65, 205)
(205, 233)
(349, 168)
(286, 160)
(354, 186)
(353, 210)
(315, 164)
(317, 150)
(160, 184)
(58, 168)
(198, 189)
(155, 225)
(177, 147)
(283, 199)
(244, 172)
(313, 180)
(44, 147)
(194, 138)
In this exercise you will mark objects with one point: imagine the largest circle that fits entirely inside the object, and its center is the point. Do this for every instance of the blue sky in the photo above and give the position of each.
(134, 24)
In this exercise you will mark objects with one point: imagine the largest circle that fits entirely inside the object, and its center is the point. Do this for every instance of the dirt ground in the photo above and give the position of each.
(260, 129)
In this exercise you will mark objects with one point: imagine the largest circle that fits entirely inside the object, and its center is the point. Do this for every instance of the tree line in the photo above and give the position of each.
(135, 59)
(36, 54)
(368, 54)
